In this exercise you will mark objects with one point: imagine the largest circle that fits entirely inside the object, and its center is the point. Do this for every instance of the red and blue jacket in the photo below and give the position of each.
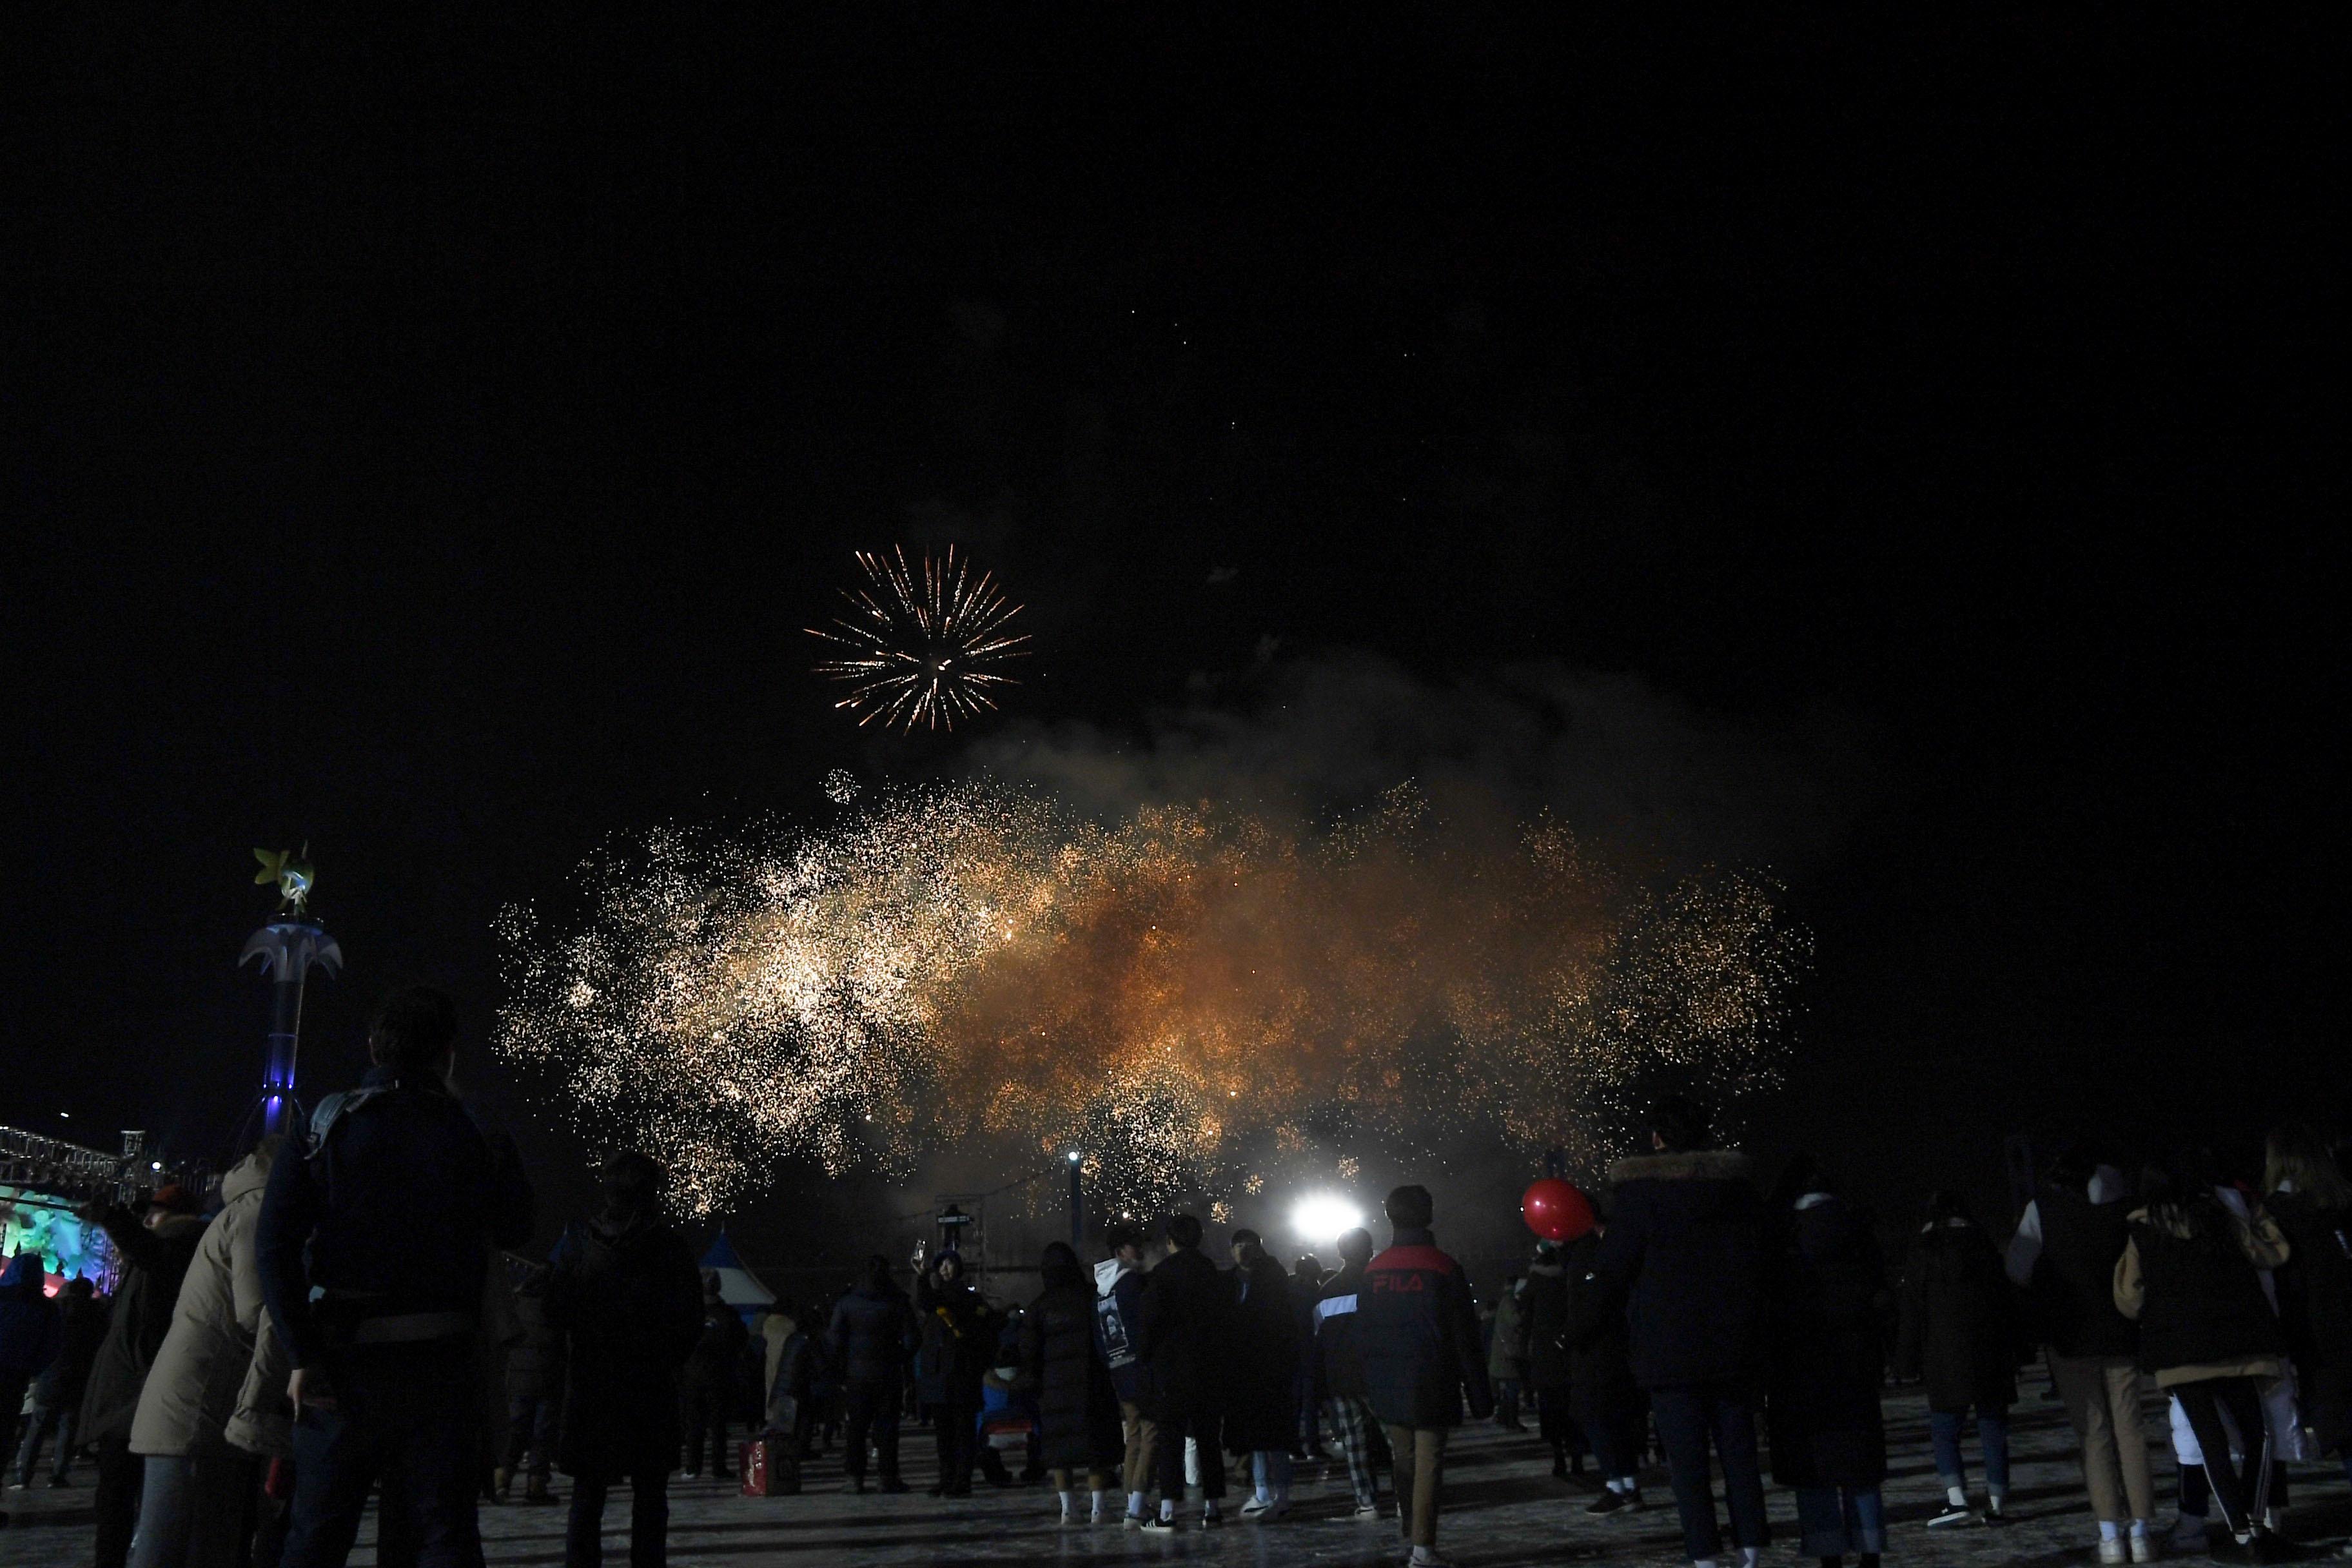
(1416, 1332)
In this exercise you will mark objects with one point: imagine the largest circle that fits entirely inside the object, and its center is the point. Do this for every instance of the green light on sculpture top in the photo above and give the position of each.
(294, 877)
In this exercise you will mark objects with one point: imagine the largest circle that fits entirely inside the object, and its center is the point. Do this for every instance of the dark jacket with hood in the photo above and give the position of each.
(1685, 1255)
(535, 1365)
(1260, 1399)
(1338, 1359)
(1544, 1319)
(1184, 1336)
(32, 1330)
(1600, 1364)
(393, 1213)
(1077, 1409)
(1960, 1321)
(958, 1338)
(154, 1263)
(1119, 1296)
(872, 1337)
(1827, 1295)
(716, 1363)
(1419, 1340)
(2314, 1290)
(627, 1297)
(2072, 1296)
(85, 1329)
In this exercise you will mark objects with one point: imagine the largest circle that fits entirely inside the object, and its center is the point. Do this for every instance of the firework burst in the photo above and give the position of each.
(924, 645)
(1193, 994)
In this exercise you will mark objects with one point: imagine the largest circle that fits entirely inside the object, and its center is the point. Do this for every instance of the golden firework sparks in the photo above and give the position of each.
(925, 646)
(1199, 998)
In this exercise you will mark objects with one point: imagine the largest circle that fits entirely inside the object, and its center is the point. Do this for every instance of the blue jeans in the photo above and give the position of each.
(1270, 1467)
(409, 1415)
(1835, 1520)
(46, 1420)
(1688, 1417)
(163, 1502)
(1993, 1431)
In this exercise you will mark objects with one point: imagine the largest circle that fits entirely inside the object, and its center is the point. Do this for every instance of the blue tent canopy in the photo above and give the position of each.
(738, 1286)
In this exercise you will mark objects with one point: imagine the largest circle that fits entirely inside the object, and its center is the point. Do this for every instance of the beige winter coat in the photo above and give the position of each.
(192, 1386)
(264, 1422)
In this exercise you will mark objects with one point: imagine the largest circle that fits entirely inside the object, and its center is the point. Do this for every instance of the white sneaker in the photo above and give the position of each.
(2143, 1548)
(2112, 1550)
(1256, 1506)
(1368, 1510)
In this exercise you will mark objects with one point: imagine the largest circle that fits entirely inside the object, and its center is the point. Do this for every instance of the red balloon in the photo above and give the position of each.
(1557, 1211)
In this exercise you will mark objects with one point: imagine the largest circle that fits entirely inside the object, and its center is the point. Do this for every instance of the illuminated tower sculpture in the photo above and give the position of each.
(287, 946)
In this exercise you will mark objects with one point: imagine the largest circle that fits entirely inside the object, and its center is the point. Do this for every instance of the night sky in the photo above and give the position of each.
(430, 447)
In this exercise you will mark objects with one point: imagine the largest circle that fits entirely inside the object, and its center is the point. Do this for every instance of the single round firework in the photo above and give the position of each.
(841, 786)
(1195, 995)
(924, 645)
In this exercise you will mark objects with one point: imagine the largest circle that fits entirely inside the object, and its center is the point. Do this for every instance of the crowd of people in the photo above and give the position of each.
(346, 1317)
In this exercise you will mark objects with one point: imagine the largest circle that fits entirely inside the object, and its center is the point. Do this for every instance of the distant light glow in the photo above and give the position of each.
(1323, 1216)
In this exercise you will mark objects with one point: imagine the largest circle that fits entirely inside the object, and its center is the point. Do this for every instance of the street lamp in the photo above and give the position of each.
(1078, 1158)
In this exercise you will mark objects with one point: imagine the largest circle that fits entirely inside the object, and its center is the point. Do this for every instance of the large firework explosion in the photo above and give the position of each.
(924, 645)
(1195, 995)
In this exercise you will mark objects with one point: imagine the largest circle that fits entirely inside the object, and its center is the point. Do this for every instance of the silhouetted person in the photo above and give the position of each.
(708, 1386)
(959, 1341)
(156, 1246)
(1961, 1337)
(1339, 1372)
(1183, 1338)
(1118, 1295)
(2208, 1332)
(1418, 1331)
(626, 1295)
(1828, 1293)
(375, 1243)
(1683, 1253)
(872, 1337)
(1260, 1419)
(1077, 1410)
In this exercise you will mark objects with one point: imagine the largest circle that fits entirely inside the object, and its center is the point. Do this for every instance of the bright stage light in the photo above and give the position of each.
(1323, 1216)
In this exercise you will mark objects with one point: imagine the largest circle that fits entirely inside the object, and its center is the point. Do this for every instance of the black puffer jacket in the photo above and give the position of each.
(628, 1298)
(1260, 1411)
(1185, 1337)
(1828, 1290)
(1077, 1409)
(2314, 1290)
(1685, 1255)
(872, 1337)
(1962, 1329)
(2072, 1291)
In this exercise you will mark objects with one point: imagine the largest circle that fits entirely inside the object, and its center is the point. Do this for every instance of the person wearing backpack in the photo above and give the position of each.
(373, 1246)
